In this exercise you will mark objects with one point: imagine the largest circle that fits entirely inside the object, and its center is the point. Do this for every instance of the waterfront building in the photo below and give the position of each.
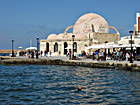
(137, 25)
(135, 36)
(89, 29)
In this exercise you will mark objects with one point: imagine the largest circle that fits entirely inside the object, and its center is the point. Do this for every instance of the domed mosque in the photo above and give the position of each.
(89, 29)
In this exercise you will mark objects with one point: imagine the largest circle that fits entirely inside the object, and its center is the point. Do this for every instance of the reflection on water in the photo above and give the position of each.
(53, 85)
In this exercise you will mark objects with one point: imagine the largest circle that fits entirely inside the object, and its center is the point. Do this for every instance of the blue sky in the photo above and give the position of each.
(24, 20)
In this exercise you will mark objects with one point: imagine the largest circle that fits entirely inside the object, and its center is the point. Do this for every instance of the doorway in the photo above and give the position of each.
(65, 48)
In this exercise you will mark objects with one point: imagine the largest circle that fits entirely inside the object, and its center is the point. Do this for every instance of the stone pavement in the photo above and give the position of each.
(89, 60)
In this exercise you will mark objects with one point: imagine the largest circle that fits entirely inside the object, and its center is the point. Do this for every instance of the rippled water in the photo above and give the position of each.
(54, 85)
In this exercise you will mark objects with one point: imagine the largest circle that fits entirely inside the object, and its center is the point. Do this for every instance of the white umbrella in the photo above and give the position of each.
(104, 45)
(20, 47)
(31, 48)
(126, 45)
(98, 46)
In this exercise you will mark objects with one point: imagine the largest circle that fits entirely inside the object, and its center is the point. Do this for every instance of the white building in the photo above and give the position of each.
(89, 29)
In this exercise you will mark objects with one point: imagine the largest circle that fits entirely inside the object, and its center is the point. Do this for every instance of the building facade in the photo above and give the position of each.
(89, 29)
(135, 35)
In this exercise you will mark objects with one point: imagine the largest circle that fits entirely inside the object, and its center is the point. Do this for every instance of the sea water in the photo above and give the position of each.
(58, 85)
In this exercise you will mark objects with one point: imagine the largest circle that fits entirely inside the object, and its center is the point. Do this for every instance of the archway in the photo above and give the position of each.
(65, 48)
(47, 47)
(55, 47)
(75, 46)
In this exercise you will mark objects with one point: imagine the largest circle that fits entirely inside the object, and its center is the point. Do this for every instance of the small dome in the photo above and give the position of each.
(63, 36)
(52, 37)
(69, 35)
(60, 36)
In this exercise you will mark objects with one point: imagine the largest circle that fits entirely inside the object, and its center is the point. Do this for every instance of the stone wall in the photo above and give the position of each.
(93, 64)
(102, 37)
(81, 43)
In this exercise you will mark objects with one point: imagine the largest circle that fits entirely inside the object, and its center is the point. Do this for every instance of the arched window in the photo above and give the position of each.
(75, 46)
(65, 47)
(47, 47)
(55, 47)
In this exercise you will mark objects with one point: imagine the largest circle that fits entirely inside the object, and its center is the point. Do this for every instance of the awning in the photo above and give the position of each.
(100, 46)
(113, 45)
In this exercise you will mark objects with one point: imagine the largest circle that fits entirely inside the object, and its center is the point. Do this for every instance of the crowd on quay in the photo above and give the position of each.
(99, 55)
(30, 53)
(118, 55)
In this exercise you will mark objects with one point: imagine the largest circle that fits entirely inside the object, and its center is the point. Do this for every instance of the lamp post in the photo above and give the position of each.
(37, 41)
(105, 53)
(12, 48)
(131, 59)
(73, 36)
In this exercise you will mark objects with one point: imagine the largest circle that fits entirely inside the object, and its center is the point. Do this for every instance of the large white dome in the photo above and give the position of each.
(90, 22)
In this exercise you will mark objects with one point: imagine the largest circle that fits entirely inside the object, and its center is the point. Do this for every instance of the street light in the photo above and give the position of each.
(73, 36)
(131, 59)
(37, 41)
(12, 48)
(105, 53)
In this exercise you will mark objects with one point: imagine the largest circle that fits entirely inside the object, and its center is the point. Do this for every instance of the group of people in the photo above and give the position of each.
(120, 55)
(30, 53)
(33, 54)
(99, 55)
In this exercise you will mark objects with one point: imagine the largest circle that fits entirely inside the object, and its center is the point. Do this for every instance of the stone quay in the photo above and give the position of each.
(83, 63)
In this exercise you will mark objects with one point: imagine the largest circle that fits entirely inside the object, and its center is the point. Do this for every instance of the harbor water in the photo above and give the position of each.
(57, 85)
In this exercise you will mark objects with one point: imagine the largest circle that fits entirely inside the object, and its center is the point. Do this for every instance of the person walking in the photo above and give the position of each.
(127, 56)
